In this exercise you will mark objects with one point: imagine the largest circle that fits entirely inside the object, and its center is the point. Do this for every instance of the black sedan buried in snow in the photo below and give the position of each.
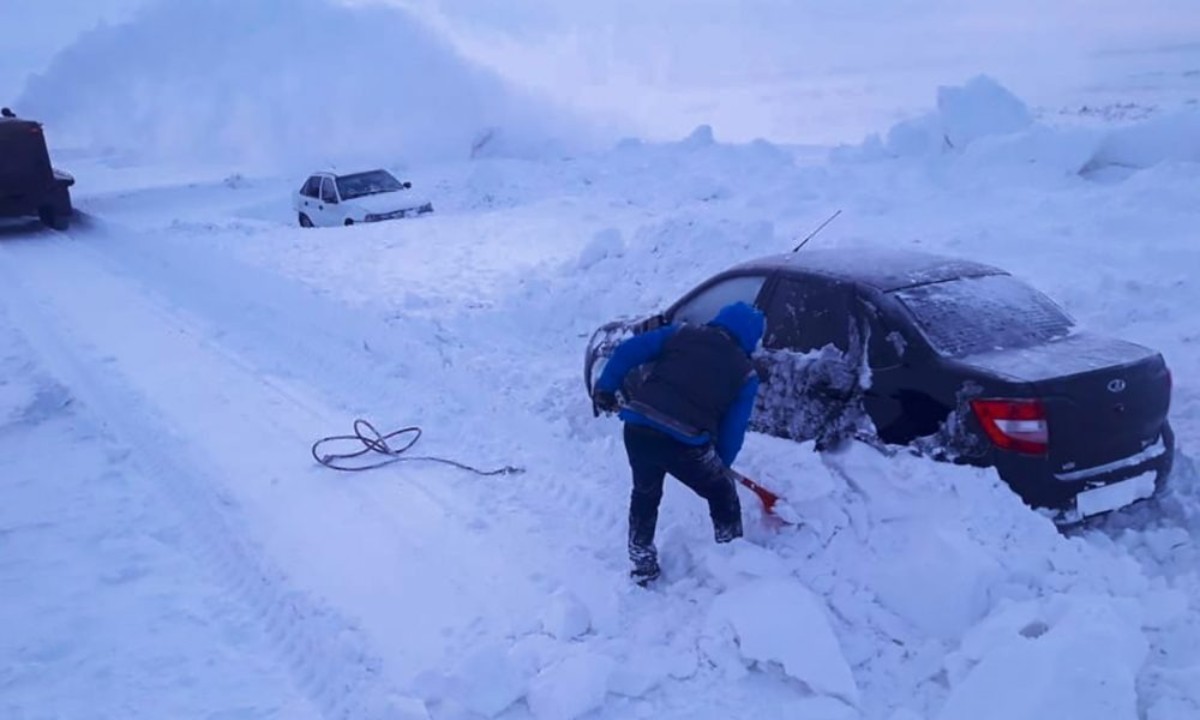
(954, 359)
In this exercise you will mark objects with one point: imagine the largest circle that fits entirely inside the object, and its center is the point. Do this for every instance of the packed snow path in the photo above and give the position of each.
(210, 391)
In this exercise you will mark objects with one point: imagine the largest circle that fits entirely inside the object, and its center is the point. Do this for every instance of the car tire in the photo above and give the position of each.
(349, 222)
(305, 221)
(52, 218)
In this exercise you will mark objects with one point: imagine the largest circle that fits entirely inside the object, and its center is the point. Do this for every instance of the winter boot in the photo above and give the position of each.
(645, 573)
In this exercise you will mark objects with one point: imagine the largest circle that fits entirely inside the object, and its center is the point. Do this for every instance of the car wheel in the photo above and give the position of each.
(305, 222)
(349, 222)
(53, 219)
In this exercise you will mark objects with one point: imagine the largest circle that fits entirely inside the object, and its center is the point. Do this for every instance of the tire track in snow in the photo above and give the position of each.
(366, 364)
(424, 571)
(329, 659)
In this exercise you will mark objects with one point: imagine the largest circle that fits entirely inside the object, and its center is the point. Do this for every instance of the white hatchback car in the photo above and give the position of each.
(327, 200)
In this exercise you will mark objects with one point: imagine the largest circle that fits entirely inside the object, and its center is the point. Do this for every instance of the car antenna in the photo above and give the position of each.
(813, 234)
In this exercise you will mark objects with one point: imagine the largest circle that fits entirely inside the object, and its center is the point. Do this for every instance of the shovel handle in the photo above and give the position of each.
(765, 496)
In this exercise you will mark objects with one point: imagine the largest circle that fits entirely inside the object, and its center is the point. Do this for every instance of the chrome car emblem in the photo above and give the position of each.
(1116, 385)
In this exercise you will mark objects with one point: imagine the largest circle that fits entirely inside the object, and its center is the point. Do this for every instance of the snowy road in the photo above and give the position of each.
(226, 436)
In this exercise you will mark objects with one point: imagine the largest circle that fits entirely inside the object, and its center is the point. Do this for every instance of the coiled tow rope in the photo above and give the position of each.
(372, 441)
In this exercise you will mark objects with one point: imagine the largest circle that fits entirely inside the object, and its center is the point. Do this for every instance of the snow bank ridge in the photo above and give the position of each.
(985, 124)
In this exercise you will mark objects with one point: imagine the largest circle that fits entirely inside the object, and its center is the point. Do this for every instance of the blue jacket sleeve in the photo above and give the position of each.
(732, 432)
(631, 353)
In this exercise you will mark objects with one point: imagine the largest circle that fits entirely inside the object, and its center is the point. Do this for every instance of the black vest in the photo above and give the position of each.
(694, 382)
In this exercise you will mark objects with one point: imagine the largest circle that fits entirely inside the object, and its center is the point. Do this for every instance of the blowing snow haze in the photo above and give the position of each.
(280, 81)
(275, 81)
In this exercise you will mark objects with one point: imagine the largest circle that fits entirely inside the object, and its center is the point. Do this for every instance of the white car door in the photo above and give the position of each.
(308, 199)
(331, 212)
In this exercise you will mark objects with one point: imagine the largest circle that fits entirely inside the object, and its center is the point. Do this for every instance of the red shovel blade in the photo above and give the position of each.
(765, 496)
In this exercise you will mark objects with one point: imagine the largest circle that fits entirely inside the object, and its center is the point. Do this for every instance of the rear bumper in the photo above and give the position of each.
(1040, 487)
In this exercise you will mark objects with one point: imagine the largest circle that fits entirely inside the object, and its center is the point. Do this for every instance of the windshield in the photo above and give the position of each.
(367, 183)
(976, 315)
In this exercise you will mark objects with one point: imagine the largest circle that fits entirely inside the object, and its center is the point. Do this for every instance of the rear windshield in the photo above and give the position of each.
(976, 315)
(368, 183)
(23, 155)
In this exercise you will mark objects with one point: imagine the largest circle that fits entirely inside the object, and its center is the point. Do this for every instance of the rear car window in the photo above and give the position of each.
(704, 305)
(976, 315)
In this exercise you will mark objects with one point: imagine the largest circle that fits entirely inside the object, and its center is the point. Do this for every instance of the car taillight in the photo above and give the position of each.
(1017, 425)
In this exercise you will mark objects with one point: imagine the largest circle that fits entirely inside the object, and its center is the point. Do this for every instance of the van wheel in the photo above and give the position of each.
(53, 219)
(349, 222)
(304, 221)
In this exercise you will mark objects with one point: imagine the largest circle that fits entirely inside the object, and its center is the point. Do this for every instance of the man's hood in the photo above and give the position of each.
(744, 322)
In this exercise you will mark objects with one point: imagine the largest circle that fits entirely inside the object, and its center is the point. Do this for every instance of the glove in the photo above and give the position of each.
(604, 401)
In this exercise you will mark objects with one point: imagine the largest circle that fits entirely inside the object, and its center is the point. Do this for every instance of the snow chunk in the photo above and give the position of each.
(979, 109)
(642, 671)
(935, 578)
(534, 652)
(605, 244)
(570, 688)
(489, 681)
(735, 562)
(701, 137)
(1072, 658)
(397, 707)
(964, 115)
(1170, 137)
(982, 108)
(779, 620)
(567, 618)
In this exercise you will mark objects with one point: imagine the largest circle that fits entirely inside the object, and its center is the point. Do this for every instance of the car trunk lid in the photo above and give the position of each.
(1105, 400)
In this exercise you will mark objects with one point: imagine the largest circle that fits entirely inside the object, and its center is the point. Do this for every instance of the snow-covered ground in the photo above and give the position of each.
(170, 549)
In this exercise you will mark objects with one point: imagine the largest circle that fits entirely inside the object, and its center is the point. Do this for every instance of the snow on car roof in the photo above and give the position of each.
(885, 270)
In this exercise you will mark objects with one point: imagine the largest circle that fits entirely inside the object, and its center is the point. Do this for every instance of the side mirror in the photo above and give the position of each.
(406, 185)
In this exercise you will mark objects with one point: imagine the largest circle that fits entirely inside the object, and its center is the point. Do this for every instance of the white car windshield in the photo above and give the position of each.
(367, 183)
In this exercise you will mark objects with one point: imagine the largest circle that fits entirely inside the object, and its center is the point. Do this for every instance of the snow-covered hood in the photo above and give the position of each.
(388, 201)
(1071, 355)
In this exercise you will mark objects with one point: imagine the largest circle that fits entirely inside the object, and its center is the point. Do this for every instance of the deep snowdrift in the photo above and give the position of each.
(984, 124)
(936, 591)
(294, 81)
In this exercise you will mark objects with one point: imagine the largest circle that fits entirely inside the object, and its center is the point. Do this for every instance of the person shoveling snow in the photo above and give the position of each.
(687, 418)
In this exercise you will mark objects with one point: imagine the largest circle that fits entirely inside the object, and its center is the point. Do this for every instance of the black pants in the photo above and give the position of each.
(652, 455)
